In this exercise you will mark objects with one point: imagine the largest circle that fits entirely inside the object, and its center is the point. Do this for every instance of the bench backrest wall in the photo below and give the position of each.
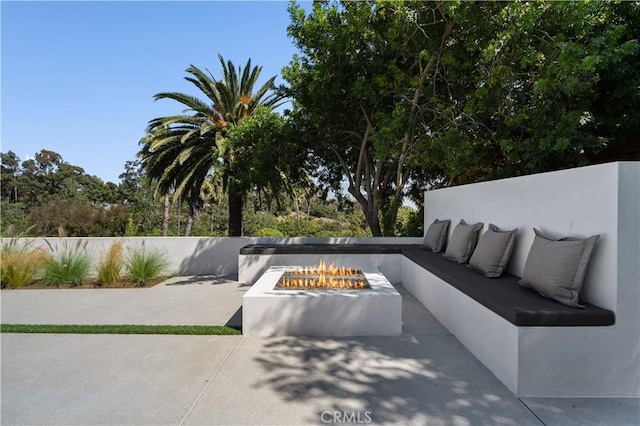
(600, 199)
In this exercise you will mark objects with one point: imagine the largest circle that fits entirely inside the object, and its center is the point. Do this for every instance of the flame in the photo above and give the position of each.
(324, 269)
(323, 276)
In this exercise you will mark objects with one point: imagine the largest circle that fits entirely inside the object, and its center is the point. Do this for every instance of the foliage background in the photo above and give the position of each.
(389, 99)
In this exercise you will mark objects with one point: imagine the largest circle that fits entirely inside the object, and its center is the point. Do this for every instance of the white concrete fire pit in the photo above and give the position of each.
(372, 312)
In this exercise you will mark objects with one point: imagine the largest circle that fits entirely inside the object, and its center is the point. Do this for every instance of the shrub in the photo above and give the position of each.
(69, 265)
(20, 263)
(268, 232)
(410, 222)
(144, 264)
(254, 222)
(110, 264)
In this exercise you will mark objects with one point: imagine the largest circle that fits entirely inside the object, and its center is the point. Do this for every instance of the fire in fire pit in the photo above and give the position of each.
(323, 277)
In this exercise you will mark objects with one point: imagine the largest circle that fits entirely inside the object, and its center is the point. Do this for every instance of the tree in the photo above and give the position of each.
(135, 192)
(47, 192)
(8, 175)
(184, 149)
(267, 155)
(546, 85)
(166, 207)
(359, 88)
(396, 97)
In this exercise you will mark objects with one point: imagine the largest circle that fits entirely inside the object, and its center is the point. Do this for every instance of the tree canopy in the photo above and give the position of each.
(398, 96)
(48, 192)
(129, 208)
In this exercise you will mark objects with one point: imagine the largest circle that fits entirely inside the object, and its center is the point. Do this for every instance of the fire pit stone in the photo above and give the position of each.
(268, 311)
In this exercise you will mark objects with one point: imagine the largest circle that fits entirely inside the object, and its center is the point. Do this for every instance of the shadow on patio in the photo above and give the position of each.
(405, 379)
(204, 280)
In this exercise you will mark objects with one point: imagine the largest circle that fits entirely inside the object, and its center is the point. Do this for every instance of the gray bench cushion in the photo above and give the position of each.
(504, 295)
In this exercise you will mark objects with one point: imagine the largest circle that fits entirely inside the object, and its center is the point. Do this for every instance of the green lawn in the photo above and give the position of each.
(120, 329)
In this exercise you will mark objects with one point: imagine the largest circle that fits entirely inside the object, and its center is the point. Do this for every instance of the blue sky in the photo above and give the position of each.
(78, 77)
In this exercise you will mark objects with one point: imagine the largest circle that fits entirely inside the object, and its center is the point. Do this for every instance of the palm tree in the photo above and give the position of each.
(183, 149)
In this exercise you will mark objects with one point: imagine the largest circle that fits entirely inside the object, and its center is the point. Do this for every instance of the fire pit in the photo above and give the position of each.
(323, 277)
(372, 307)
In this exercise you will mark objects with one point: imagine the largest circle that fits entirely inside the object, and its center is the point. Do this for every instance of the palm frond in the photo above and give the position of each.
(204, 82)
(193, 103)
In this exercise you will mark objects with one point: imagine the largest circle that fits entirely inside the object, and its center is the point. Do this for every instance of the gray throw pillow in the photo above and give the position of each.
(436, 236)
(493, 251)
(463, 241)
(555, 268)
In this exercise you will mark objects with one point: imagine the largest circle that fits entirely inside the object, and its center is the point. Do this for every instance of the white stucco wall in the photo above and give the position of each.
(602, 199)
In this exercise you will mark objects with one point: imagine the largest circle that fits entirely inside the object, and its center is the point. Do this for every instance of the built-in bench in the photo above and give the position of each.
(535, 346)
(504, 296)
(518, 334)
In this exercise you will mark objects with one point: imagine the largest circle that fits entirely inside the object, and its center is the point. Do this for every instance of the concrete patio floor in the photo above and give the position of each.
(424, 376)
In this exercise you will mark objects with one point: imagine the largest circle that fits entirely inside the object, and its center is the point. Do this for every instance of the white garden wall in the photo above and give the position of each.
(205, 255)
(602, 199)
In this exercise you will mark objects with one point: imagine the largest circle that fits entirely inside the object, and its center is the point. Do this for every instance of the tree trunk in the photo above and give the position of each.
(195, 208)
(390, 217)
(187, 230)
(374, 223)
(179, 213)
(235, 210)
(369, 210)
(165, 215)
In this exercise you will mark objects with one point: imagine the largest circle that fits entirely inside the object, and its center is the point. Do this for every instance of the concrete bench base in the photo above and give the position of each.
(530, 361)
